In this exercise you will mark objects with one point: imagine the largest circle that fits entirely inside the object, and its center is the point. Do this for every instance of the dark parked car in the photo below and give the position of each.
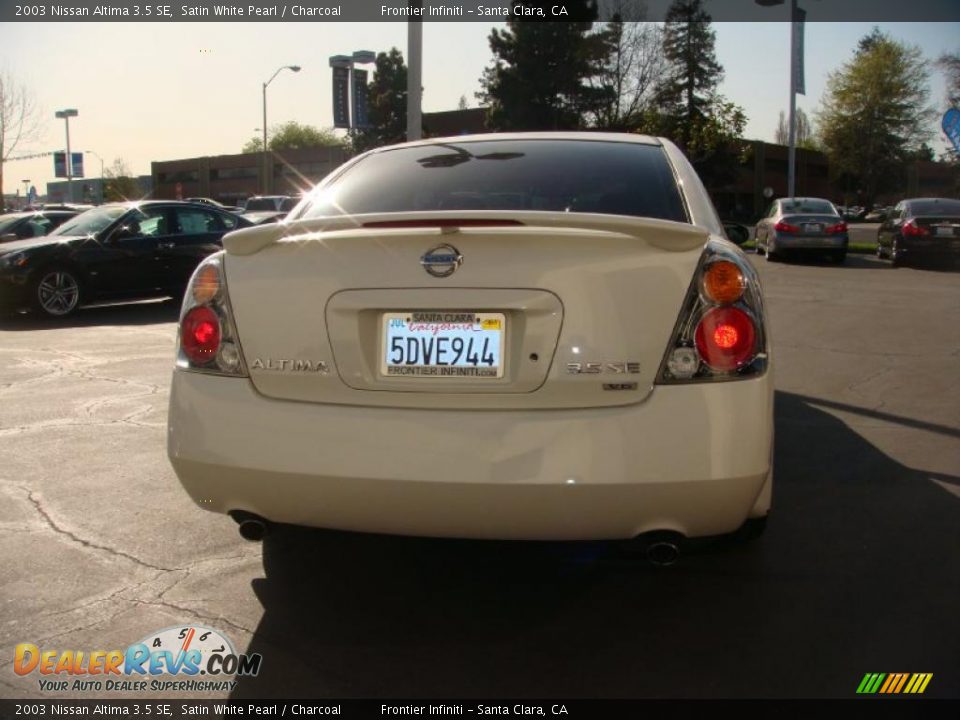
(270, 203)
(114, 252)
(808, 225)
(25, 225)
(921, 229)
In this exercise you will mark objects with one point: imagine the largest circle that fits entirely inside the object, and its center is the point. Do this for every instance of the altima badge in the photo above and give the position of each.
(441, 261)
(285, 365)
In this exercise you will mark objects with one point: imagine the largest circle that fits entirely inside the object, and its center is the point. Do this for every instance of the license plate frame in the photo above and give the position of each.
(944, 231)
(428, 337)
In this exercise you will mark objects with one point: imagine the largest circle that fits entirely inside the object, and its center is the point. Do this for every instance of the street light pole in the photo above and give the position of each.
(794, 68)
(66, 115)
(414, 70)
(796, 63)
(294, 68)
(91, 152)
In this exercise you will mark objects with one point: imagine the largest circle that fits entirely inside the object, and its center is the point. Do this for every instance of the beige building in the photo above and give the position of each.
(231, 179)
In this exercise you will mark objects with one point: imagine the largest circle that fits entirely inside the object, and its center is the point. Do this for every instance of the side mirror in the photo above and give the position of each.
(736, 233)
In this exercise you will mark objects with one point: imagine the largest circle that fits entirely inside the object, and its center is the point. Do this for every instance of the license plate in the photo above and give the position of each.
(812, 228)
(945, 231)
(438, 344)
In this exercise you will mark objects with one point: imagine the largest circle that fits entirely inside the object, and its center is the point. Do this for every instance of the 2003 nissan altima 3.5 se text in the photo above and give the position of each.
(520, 336)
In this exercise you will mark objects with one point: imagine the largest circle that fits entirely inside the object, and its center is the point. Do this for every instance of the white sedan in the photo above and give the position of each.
(539, 336)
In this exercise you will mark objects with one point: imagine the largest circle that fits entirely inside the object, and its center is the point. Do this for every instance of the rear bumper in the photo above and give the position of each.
(819, 242)
(693, 459)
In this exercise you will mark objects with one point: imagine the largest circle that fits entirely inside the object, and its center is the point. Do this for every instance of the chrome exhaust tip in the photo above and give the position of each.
(663, 553)
(252, 527)
(661, 548)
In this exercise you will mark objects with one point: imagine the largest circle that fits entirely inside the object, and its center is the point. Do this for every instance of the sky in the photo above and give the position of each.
(163, 91)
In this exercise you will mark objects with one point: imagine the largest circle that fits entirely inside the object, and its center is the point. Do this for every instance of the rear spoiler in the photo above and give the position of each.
(664, 234)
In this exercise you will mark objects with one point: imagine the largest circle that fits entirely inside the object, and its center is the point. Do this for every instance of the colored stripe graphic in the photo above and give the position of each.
(894, 683)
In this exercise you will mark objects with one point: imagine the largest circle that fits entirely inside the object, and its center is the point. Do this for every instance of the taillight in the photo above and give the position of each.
(719, 334)
(200, 335)
(723, 281)
(725, 338)
(207, 338)
(839, 229)
(786, 227)
(911, 229)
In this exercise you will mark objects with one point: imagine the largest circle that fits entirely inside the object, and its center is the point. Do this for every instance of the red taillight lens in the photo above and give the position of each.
(911, 229)
(786, 227)
(838, 229)
(200, 335)
(725, 338)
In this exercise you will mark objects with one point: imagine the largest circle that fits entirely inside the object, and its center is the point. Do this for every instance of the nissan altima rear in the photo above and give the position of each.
(530, 336)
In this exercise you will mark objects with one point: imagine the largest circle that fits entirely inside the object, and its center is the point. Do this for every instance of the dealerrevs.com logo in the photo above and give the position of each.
(201, 658)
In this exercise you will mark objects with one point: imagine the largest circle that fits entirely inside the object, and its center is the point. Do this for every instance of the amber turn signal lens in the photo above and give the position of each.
(206, 284)
(723, 282)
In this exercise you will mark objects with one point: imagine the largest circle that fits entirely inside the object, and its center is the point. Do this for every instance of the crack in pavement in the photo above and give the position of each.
(52, 524)
(195, 613)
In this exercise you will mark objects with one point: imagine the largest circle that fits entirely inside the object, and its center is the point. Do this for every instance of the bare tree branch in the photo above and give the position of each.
(19, 119)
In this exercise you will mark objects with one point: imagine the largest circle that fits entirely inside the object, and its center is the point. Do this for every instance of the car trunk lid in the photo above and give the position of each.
(579, 308)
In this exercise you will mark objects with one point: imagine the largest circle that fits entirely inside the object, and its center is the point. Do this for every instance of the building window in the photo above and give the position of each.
(235, 173)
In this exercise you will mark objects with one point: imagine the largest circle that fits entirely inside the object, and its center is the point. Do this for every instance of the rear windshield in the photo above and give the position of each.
(934, 207)
(808, 205)
(614, 178)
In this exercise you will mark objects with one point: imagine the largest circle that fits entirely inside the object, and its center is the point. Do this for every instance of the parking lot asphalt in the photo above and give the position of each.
(857, 572)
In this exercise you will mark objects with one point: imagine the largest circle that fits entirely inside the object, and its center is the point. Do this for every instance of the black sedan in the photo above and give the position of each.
(114, 252)
(923, 229)
(25, 225)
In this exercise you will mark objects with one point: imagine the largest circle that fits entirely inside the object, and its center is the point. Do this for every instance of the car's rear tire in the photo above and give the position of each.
(895, 259)
(839, 256)
(56, 292)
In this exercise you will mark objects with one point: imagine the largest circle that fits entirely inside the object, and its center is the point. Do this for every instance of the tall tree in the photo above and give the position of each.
(19, 122)
(875, 113)
(693, 74)
(294, 136)
(687, 107)
(120, 183)
(949, 64)
(539, 76)
(633, 71)
(386, 104)
(805, 133)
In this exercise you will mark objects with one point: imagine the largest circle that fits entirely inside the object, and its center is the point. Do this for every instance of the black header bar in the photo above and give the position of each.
(461, 11)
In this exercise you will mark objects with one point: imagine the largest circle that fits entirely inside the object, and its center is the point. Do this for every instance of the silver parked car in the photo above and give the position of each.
(808, 225)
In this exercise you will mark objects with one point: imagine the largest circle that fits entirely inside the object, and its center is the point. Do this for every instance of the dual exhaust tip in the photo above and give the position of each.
(661, 548)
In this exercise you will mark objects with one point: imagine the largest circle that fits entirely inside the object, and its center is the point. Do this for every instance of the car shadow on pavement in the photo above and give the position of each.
(136, 313)
(856, 574)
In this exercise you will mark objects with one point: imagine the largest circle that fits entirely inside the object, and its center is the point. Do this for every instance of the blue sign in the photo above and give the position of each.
(360, 117)
(60, 165)
(341, 97)
(951, 127)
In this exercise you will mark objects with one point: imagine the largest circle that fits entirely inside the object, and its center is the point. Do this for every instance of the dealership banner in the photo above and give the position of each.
(361, 118)
(60, 165)
(341, 97)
